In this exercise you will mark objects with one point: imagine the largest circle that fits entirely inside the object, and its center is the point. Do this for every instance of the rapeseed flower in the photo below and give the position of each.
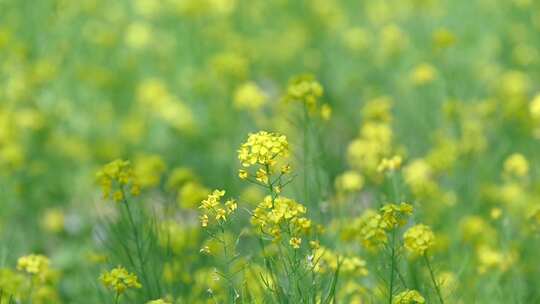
(119, 280)
(304, 89)
(409, 297)
(419, 239)
(116, 178)
(33, 264)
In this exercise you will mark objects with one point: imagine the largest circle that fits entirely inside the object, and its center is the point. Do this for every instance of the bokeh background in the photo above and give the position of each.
(175, 86)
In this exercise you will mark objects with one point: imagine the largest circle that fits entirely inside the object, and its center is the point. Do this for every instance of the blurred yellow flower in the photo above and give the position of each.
(34, 264)
(423, 74)
(117, 179)
(249, 96)
(419, 239)
(516, 165)
(119, 280)
(408, 297)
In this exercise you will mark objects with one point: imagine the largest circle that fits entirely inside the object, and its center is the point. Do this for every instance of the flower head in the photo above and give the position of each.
(272, 215)
(119, 280)
(249, 96)
(212, 207)
(516, 165)
(408, 297)
(34, 264)
(305, 89)
(117, 177)
(395, 215)
(295, 242)
(390, 164)
(371, 232)
(419, 239)
(263, 148)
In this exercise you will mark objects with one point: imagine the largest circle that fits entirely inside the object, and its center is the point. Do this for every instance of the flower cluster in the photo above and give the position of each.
(373, 226)
(366, 152)
(409, 297)
(264, 149)
(390, 164)
(119, 280)
(249, 96)
(272, 216)
(117, 177)
(214, 209)
(395, 215)
(326, 260)
(34, 264)
(349, 181)
(516, 165)
(419, 239)
(305, 89)
(370, 230)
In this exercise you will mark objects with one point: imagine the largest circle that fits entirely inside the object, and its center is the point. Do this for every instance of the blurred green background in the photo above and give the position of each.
(179, 83)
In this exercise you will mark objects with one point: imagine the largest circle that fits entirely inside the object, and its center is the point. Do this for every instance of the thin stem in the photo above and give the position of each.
(137, 243)
(306, 153)
(117, 298)
(392, 267)
(433, 280)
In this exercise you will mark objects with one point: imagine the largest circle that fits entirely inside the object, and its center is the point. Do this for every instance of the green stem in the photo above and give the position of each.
(117, 298)
(433, 280)
(306, 153)
(392, 267)
(138, 244)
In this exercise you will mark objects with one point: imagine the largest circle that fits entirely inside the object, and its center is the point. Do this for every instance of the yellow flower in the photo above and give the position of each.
(326, 112)
(534, 107)
(492, 259)
(213, 200)
(242, 174)
(117, 177)
(119, 280)
(370, 230)
(390, 164)
(231, 206)
(220, 214)
(395, 215)
(443, 38)
(138, 35)
(516, 165)
(408, 297)
(204, 220)
(286, 169)
(53, 220)
(423, 74)
(212, 206)
(329, 261)
(305, 89)
(191, 194)
(262, 176)
(295, 242)
(263, 148)
(34, 264)
(418, 239)
(249, 97)
(349, 181)
(148, 170)
(271, 216)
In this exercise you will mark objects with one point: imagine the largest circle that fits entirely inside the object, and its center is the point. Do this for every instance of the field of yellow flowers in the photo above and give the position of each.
(269, 151)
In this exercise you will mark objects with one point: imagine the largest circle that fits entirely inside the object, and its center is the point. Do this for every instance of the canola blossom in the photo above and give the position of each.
(306, 151)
